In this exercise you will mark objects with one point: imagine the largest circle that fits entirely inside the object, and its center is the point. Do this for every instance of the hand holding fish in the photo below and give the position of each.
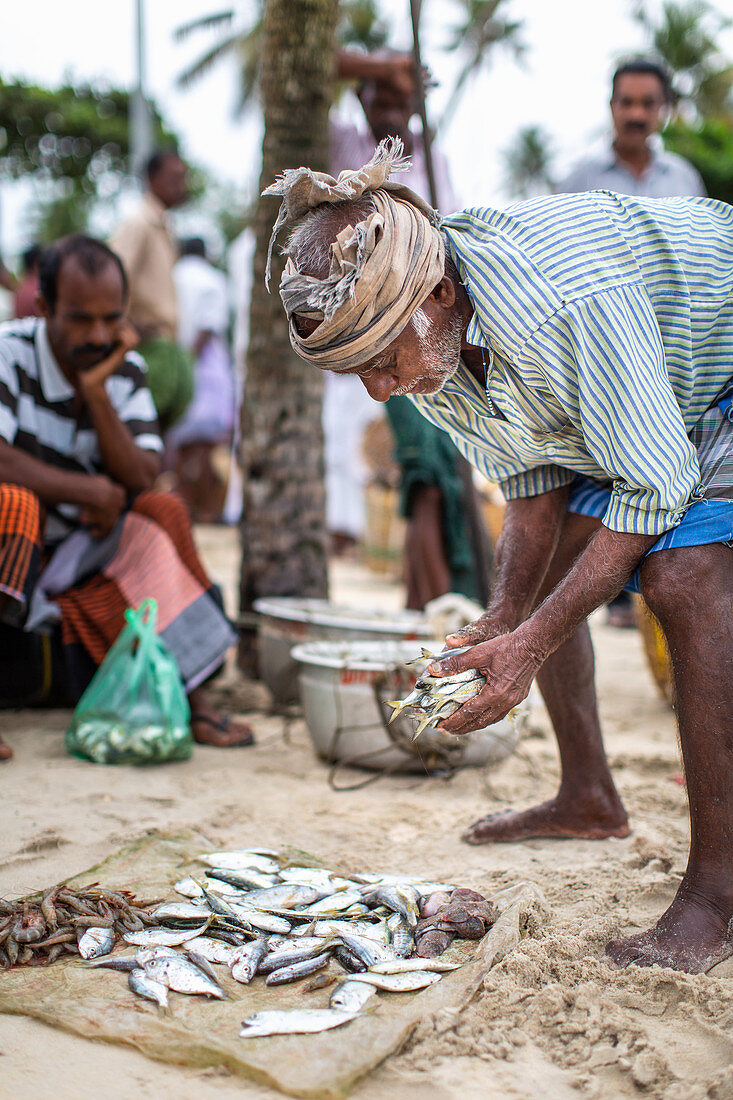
(509, 665)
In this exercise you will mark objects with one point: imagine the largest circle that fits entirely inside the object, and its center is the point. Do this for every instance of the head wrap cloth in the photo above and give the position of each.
(381, 269)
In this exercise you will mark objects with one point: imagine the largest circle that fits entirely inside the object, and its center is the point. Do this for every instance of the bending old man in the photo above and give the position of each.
(578, 349)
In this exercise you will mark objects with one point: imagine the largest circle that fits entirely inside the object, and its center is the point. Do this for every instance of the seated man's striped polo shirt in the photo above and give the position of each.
(38, 410)
(607, 327)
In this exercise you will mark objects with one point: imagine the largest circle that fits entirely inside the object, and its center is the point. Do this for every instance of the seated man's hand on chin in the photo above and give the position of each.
(106, 501)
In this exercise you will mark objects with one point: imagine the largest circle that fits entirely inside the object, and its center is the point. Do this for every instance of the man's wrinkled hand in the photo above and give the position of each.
(509, 666)
(126, 339)
(483, 629)
(104, 505)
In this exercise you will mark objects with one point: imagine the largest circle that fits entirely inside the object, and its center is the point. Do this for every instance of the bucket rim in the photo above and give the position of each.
(359, 655)
(324, 613)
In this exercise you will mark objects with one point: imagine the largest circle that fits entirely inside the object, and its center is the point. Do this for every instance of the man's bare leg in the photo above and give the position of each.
(587, 804)
(690, 590)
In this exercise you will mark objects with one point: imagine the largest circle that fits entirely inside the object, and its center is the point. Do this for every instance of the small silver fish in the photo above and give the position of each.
(285, 896)
(159, 937)
(296, 971)
(190, 888)
(183, 976)
(294, 952)
(333, 903)
(245, 879)
(403, 940)
(115, 962)
(400, 899)
(240, 859)
(369, 951)
(403, 966)
(145, 986)
(247, 960)
(350, 996)
(300, 1022)
(407, 982)
(212, 950)
(95, 942)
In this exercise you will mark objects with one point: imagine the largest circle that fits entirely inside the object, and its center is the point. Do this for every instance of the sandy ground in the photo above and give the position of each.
(552, 1020)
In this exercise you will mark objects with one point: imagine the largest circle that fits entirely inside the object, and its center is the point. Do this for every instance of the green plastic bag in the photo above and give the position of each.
(135, 710)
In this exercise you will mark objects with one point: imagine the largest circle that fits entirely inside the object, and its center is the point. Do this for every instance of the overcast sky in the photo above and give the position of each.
(562, 86)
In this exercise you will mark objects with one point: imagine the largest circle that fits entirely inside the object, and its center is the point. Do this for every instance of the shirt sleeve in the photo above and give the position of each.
(128, 391)
(531, 483)
(8, 396)
(603, 358)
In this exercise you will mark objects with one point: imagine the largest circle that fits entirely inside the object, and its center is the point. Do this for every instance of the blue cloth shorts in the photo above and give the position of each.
(706, 521)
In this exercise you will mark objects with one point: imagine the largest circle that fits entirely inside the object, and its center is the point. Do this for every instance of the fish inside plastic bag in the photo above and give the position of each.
(135, 709)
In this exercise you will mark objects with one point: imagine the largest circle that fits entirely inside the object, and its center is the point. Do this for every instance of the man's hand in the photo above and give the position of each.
(126, 339)
(483, 629)
(509, 667)
(106, 501)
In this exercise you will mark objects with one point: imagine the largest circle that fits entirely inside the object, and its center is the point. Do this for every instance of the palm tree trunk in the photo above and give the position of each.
(283, 521)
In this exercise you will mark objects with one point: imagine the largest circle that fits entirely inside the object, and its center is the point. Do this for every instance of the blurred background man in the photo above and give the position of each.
(148, 250)
(203, 330)
(635, 163)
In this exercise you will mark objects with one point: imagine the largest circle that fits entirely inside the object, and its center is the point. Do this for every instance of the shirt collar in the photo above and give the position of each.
(55, 386)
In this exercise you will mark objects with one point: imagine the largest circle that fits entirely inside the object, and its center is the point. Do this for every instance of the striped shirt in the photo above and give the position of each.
(38, 410)
(606, 323)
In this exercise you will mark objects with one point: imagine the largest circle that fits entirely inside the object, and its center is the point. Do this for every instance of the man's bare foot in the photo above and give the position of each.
(5, 751)
(693, 935)
(586, 820)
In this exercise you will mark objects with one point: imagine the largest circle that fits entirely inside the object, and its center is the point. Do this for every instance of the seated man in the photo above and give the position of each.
(578, 349)
(79, 448)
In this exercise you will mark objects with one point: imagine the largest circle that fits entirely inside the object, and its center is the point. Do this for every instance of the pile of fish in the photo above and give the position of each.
(255, 915)
(436, 697)
(88, 921)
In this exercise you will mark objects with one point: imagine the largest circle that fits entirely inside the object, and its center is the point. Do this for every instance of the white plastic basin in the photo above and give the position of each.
(344, 687)
(288, 621)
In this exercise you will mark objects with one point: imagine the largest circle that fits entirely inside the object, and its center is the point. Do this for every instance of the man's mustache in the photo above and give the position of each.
(102, 350)
(635, 126)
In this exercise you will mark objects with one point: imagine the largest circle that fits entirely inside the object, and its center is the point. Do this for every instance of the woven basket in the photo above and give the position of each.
(656, 649)
(384, 537)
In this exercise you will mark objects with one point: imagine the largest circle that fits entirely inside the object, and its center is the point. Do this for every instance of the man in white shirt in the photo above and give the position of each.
(635, 164)
(203, 310)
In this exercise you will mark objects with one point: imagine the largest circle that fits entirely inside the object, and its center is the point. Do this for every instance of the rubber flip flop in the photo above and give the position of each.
(223, 725)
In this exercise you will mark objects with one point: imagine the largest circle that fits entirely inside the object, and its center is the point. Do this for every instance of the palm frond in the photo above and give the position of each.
(204, 22)
(203, 64)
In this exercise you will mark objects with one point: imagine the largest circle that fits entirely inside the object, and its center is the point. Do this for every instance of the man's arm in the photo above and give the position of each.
(123, 460)
(524, 551)
(100, 500)
(511, 662)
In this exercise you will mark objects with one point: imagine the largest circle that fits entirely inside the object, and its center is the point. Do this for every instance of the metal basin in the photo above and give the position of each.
(344, 687)
(285, 622)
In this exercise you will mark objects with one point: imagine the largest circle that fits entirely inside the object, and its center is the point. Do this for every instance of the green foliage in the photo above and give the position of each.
(685, 36)
(709, 146)
(75, 132)
(483, 27)
(527, 163)
(73, 142)
(362, 24)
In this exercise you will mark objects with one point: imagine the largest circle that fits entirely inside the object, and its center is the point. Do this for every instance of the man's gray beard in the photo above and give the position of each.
(440, 353)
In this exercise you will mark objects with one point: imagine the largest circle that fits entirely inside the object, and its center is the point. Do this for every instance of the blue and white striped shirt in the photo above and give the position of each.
(608, 324)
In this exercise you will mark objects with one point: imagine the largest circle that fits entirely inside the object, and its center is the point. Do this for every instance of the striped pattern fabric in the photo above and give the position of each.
(38, 410)
(20, 547)
(607, 327)
(152, 555)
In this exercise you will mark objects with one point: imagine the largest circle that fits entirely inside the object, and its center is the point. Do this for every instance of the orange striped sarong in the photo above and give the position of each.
(21, 537)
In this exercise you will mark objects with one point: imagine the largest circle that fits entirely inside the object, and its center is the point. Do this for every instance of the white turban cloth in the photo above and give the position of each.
(381, 269)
